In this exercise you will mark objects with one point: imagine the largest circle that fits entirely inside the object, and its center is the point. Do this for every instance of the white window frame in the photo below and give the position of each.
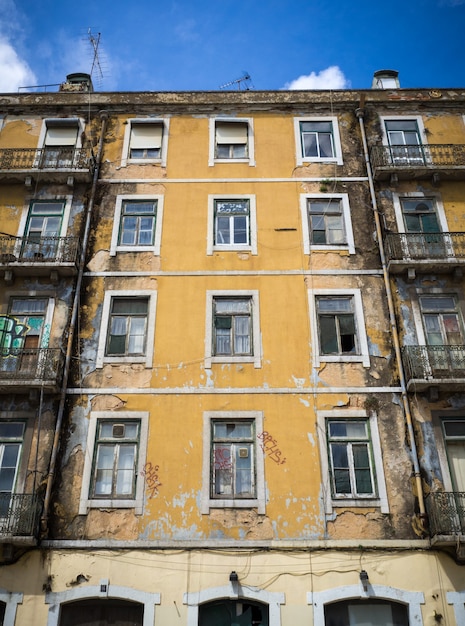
(250, 140)
(256, 357)
(155, 247)
(64, 121)
(86, 501)
(252, 245)
(412, 599)
(164, 122)
(344, 199)
(318, 358)
(403, 118)
(303, 160)
(147, 359)
(330, 502)
(206, 501)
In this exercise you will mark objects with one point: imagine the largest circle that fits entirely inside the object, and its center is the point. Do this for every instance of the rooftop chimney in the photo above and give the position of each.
(77, 82)
(385, 79)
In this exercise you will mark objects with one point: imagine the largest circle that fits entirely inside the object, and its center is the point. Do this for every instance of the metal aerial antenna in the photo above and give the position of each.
(96, 65)
(244, 80)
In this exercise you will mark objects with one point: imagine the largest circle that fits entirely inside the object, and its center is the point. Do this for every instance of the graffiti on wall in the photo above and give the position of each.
(150, 473)
(270, 447)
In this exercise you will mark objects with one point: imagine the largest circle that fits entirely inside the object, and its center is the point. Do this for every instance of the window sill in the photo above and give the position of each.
(120, 249)
(369, 503)
(235, 504)
(111, 504)
(251, 163)
(232, 360)
(341, 358)
(125, 360)
(307, 161)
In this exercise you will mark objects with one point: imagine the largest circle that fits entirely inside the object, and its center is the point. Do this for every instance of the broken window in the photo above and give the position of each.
(336, 325)
(232, 326)
(326, 221)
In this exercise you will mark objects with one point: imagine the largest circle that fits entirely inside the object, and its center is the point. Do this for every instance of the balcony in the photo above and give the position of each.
(19, 517)
(22, 369)
(442, 367)
(440, 161)
(51, 165)
(39, 256)
(425, 252)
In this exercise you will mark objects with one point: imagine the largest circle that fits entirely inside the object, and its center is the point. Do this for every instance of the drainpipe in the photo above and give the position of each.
(360, 113)
(72, 325)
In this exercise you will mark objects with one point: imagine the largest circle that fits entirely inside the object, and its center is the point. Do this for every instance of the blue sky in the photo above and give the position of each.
(184, 45)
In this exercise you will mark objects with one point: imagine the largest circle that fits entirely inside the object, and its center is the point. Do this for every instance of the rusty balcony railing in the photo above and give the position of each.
(435, 363)
(439, 155)
(33, 250)
(30, 364)
(19, 515)
(54, 158)
(446, 512)
(423, 246)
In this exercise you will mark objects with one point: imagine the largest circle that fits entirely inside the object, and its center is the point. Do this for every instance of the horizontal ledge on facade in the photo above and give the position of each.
(155, 391)
(202, 273)
(241, 545)
(183, 181)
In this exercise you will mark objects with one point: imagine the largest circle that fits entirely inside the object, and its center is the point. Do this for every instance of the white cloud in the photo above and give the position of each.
(14, 71)
(330, 78)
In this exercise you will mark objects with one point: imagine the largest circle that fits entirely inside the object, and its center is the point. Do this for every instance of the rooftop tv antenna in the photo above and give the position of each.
(244, 82)
(96, 65)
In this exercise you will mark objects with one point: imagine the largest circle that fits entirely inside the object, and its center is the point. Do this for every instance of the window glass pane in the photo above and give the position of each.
(138, 208)
(405, 125)
(334, 304)
(318, 126)
(328, 335)
(242, 335)
(243, 469)
(125, 470)
(104, 470)
(10, 430)
(240, 229)
(223, 341)
(454, 428)
(440, 303)
(222, 230)
(133, 307)
(348, 428)
(326, 145)
(47, 208)
(310, 147)
(236, 305)
(234, 430)
(232, 207)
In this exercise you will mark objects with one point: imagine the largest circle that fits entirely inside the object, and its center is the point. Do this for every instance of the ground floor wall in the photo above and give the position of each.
(293, 585)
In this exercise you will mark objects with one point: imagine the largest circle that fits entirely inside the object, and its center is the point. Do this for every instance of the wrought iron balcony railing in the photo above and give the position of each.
(30, 365)
(32, 250)
(425, 158)
(446, 513)
(51, 158)
(424, 246)
(19, 515)
(434, 363)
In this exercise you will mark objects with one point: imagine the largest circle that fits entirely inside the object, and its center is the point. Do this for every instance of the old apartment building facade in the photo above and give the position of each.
(232, 357)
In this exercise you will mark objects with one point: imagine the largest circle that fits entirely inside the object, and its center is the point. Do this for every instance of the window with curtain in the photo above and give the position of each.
(317, 139)
(127, 328)
(146, 140)
(232, 319)
(233, 459)
(115, 459)
(326, 221)
(350, 458)
(60, 143)
(231, 140)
